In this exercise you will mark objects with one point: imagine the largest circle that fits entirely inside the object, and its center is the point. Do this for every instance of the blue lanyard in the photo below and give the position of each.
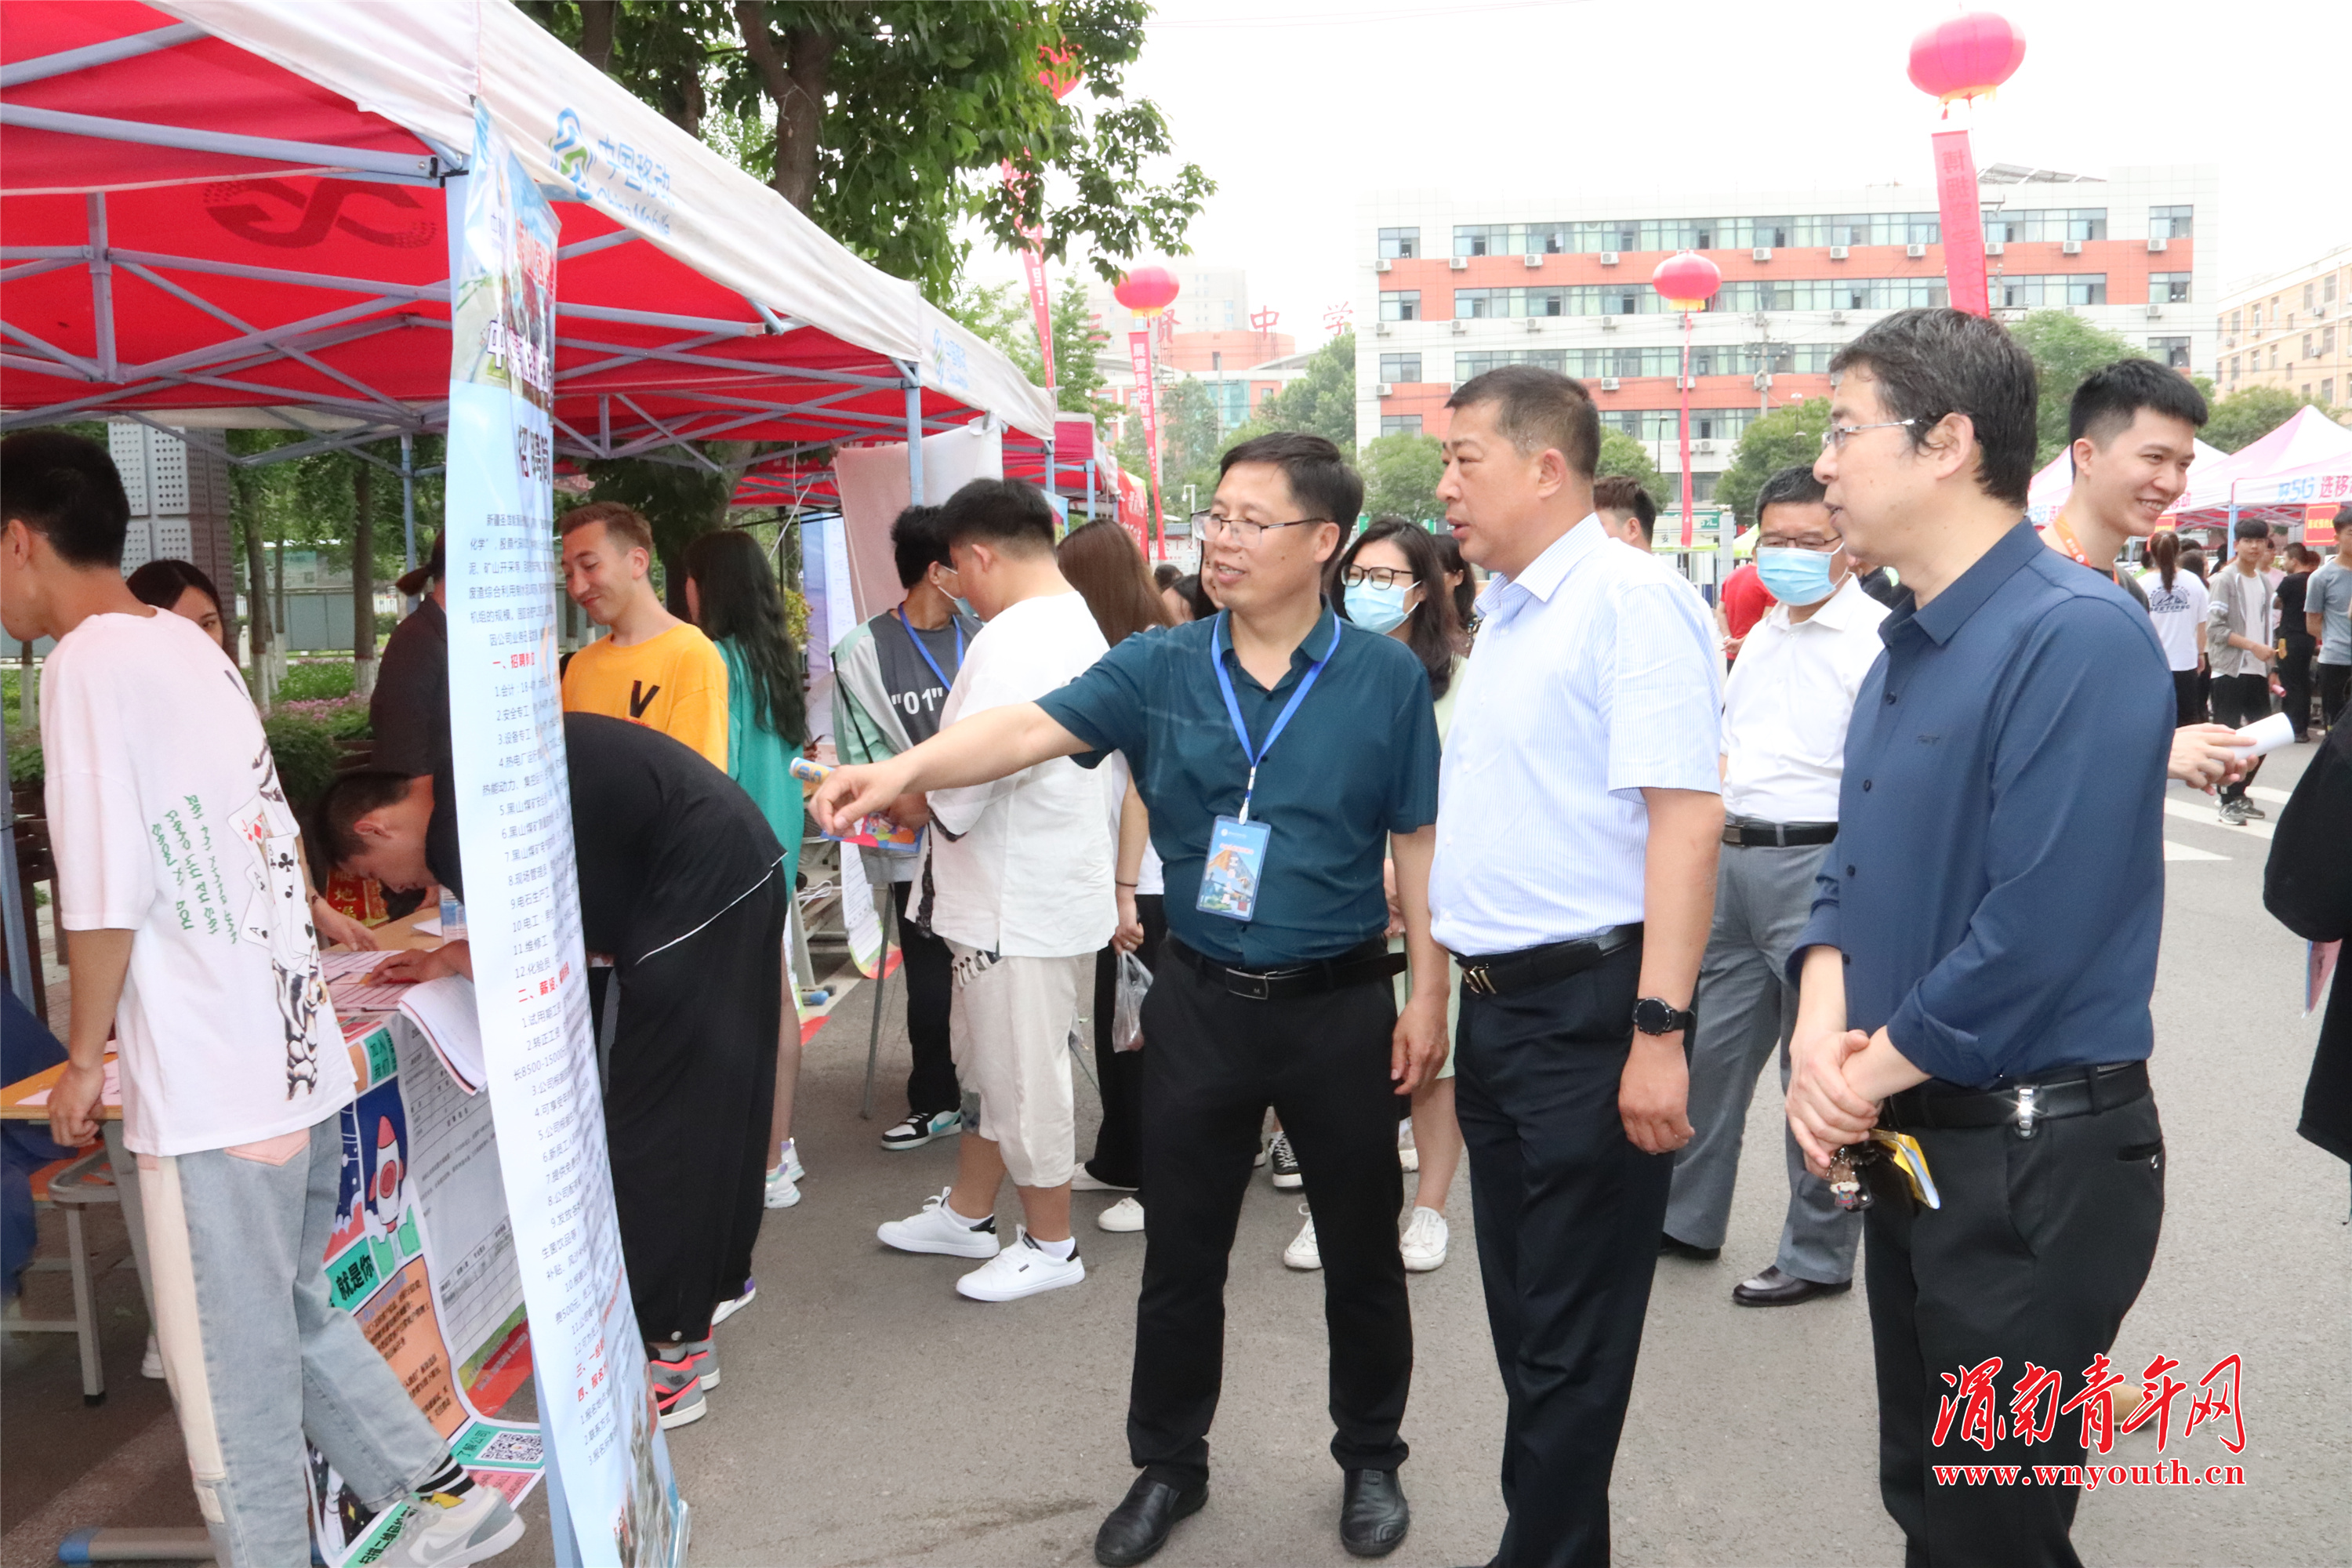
(945, 680)
(1233, 708)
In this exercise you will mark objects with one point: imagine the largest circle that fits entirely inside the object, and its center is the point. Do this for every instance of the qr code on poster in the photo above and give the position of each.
(509, 1448)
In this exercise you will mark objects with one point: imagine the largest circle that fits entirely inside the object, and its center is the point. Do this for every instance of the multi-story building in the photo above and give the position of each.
(1210, 335)
(2289, 331)
(1451, 286)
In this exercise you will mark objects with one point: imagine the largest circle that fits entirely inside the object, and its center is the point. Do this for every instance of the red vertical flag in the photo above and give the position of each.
(1138, 354)
(1956, 200)
(1041, 304)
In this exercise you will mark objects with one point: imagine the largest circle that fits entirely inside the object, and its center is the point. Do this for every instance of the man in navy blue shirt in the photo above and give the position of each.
(1282, 754)
(1982, 947)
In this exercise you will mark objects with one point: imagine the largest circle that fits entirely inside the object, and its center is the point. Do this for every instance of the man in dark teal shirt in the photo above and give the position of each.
(1982, 948)
(1282, 754)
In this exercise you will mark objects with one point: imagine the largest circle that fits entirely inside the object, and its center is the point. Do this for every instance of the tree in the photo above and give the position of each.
(1000, 313)
(1622, 454)
(1790, 435)
(2066, 349)
(681, 502)
(892, 124)
(2248, 414)
(1401, 475)
(1322, 402)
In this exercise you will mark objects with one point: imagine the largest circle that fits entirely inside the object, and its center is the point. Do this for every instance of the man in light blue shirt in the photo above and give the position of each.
(2328, 611)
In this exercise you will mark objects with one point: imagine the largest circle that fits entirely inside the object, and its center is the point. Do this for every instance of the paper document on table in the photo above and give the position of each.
(347, 981)
(428, 927)
(444, 1010)
(109, 1091)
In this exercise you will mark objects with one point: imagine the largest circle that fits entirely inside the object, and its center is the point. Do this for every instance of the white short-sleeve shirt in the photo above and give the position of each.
(1786, 707)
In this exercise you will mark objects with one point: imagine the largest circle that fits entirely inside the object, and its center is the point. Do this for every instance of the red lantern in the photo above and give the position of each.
(1687, 281)
(1966, 56)
(1147, 290)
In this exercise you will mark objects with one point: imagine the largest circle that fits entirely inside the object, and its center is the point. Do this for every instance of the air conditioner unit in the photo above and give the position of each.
(1457, 264)
(1608, 383)
(1915, 251)
(1534, 323)
(1460, 326)
(1382, 389)
(1837, 317)
(1686, 382)
(2156, 245)
(1608, 323)
(2154, 312)
(1384, 265)
(2071, 247)
(1839, 252)
(1994, 248)
(1608, 259)
(1534, 260)
(1704, 444)
(1379, 328)
(1761, 253)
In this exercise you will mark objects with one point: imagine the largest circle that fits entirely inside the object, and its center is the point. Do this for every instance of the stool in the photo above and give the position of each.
(73, 1183)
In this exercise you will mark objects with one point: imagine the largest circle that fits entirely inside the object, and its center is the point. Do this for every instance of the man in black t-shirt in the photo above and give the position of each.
(2297, 647)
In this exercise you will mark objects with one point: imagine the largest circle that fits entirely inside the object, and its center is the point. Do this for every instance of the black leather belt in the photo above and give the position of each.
(1359, 965)
(1501, 972)
(2079, 1091)
(1747, 834)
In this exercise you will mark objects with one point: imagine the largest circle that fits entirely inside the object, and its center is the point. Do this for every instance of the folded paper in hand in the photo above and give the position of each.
(444, 1010)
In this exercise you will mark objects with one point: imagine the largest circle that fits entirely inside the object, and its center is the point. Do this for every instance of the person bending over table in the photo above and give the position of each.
(679, 881)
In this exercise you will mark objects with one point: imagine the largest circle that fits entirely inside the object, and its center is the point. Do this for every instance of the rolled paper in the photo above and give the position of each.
(2272, 734)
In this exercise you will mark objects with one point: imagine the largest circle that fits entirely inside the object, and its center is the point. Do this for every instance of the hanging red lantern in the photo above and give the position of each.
(1966, 56)
(1147, 290)
(1687, 281)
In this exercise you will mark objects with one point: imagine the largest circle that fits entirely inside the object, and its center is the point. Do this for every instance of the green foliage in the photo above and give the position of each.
(25, 767)
(2248, 414)
(1401, 475)
(681, 502)
(316, 681)
(1789, 434)
(1622, 454)
(1000, 314)
(1322, 402)
(2066, 349)
(344, 718)
(305, 756)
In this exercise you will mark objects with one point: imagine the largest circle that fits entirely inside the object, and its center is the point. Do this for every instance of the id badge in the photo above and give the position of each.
(1229, 882)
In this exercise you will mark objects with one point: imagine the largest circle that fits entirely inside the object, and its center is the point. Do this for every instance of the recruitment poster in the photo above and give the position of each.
(608, 1469)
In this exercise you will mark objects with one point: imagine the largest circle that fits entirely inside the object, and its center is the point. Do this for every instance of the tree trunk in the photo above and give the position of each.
(256, 602)
(596, 21)
(364, 578)
(796, 81)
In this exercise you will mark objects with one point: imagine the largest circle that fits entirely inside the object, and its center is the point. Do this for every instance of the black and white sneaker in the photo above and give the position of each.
(1284, 1162)
(920, 1127)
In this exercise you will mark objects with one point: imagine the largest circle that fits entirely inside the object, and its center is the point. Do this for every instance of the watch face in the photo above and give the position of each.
(1652, 1016)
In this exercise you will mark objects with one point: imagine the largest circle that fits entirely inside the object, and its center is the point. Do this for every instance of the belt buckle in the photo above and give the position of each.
(1250, 987)
(2025, 1111)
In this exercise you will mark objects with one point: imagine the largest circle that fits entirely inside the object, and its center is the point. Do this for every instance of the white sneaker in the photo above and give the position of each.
(919, 1127)
(151, 1364)
(727, 1309)
(792, 1166)
(1127, 1215)
(443, 1532)
(1408, 1153)
(1424, 1241)
(1085, 1181)
(1025, 1269)
(784, 1188)
(1302, 1252)
(935, 1229)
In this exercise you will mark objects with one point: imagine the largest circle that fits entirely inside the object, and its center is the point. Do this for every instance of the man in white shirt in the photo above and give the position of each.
(181, 897)
(1018, 882)
(1578, 818)
(2241, 634)
(1785, 710)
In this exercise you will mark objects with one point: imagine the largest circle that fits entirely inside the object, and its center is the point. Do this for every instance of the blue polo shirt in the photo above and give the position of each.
(1358, 761)
(1997, 883)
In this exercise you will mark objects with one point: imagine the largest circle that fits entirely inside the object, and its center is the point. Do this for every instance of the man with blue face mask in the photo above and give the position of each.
(1784, 720)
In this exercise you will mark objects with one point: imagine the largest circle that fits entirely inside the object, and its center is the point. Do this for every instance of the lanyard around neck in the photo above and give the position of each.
(945, 680)
(1222, 638)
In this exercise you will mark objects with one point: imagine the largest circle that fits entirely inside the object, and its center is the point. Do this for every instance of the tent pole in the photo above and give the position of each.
(914, 443)
(408, 509)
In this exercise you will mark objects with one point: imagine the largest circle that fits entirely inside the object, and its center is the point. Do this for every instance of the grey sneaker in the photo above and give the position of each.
(677, 1391)
(443, 1532)
(702, 1355)
(2235, 813)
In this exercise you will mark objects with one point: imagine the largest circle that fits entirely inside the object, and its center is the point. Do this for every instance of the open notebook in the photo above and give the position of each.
(444, 1010)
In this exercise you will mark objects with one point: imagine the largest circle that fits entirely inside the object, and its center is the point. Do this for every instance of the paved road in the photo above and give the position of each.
(869, 1416)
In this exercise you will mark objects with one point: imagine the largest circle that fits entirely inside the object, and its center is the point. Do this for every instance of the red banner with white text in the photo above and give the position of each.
(1955, 201)
(1040, 305)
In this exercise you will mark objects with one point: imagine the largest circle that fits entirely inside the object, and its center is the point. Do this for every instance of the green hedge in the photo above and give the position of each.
(315, 682)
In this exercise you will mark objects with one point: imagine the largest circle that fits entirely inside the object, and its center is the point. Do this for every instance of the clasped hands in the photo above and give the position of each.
(1826, 1110)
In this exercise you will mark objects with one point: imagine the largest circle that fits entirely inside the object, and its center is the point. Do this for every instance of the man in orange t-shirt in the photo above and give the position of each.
(654, 669)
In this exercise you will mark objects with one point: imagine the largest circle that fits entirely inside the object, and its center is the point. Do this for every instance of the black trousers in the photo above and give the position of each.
(925, 962)
(2240, 701)
(1214, 1061)
(2188, 698)
(687, 1109)
(2294, 674)
(1569, 1214)
(2334, 679)
(2040, 1248)
(1119, 1141)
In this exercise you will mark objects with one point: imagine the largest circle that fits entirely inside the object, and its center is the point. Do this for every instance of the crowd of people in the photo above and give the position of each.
(1277, 783)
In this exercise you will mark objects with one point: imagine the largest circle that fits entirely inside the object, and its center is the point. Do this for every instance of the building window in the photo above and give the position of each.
(2310, 293)
(2167, 287)
(2237, 320)
(1400, 367)
(1477, 304)
(1401, 305)
(2307, 345)
(1829, 294)
(2327, 341)
(2047, 223)
(2033, 290)
(2328, 390)
(1479, 361)
(2234, 367)
(2170, 223)
(2171, 352)
(2327, 290)
(1400, 424)
(1510, 239)
(1665, 424)
(1400, 244)
(1470, 240)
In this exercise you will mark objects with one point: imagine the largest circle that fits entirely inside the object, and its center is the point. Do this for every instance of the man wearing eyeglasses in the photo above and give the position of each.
(1784, 720)
(1282, 754)
(1982, 948)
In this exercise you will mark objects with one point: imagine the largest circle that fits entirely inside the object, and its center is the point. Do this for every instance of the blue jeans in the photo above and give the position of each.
(257, 1357)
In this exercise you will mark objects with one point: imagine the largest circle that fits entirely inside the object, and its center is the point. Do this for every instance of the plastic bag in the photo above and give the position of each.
(1127, 1012)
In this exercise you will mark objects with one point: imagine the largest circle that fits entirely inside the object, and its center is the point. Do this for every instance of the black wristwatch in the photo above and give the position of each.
(1655, 1015)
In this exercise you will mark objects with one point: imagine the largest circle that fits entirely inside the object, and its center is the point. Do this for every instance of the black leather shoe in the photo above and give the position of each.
(1373, 1517)
(1669, 1245)
(1774, 1288)
(1139, 1526)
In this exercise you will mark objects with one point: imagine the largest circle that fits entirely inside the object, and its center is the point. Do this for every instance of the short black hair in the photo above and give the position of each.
(1793, 486)
(436, 566)
(2109, 398)
(2251, 528)
(1321, 479)
(1537, 409)
(1936, 361)
(1623, 492)
(161, 583)
(2343, 522)
(915, 543)
(65, 487)
(1013, 514)
(333, 837)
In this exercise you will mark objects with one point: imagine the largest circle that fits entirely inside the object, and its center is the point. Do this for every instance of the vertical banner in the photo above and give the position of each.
(613, 1499)
(1963, 222)
(1040, 305)
(1139, 355)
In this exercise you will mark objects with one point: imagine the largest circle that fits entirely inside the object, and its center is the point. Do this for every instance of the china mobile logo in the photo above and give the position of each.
(2035, 1404)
